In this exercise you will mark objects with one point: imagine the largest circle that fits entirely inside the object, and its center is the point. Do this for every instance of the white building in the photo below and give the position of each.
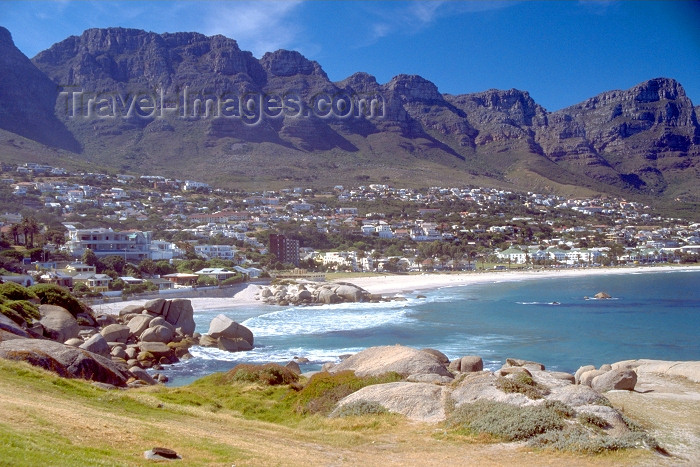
(132, 245)
(384, 230)
(215, 251)
(162, 250)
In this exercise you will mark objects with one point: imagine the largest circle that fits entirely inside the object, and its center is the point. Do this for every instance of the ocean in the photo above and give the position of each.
(653, 315)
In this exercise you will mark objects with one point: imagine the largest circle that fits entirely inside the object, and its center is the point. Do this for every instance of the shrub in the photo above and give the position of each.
(145, 286)
(560, 408)
(27, 310)
(358, 408)
(50, 294)
(522, 383)
(324, 390)
(233, 280)
(205, 281)
(506, 421)
(13, 291)
(592, 420)
(12, 314)
(631, 424)
(271, 374)
(578, 439)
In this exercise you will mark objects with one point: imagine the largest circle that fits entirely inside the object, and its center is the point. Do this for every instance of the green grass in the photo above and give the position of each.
(271, 374)
(48, 420)
(324, 390)
(32, 449)
(218, 392)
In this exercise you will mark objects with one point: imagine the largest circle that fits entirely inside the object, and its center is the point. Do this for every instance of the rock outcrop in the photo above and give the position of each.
(156, 333)
(425, 393)
(405, 361)
(615, 379)
(418, 401)
(467, 364)
(58, 323)
(66, 361)
(607, 377)
(317, 293)
(685, 369)
(228, 335)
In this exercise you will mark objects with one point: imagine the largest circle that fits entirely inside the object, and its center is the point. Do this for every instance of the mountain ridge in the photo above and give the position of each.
(641, 141)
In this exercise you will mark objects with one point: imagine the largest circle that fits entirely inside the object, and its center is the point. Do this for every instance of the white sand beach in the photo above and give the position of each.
(385, 284)
(397, 284)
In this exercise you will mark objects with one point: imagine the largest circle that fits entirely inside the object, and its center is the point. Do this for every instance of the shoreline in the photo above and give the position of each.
(396, 284)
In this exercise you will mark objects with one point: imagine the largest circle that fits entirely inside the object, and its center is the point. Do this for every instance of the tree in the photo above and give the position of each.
(80, 289)
(55, 236)
(147, 267)
(89, 257)
(37, 254)
(164, 267)
(15, 230)
(29, 227)
(616, 250)
(190, 265)
(115, 263)
(116, 284)
(394, 250)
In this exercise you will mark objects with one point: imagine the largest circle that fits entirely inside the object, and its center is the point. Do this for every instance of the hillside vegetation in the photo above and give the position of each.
(218, 420)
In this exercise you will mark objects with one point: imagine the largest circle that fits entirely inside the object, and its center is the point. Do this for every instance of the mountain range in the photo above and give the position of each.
(191, 106)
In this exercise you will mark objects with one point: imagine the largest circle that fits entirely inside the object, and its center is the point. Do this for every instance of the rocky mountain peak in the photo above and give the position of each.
(103, 57)
(414, 87)
(27, 98)
(5, 37)
(645, 139)
(360, 82)
(290, 63)
(658, 89)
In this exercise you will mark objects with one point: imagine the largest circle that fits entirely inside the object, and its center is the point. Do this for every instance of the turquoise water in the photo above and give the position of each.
(652, 315)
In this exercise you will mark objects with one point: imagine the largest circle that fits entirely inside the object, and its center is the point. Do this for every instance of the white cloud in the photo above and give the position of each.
(257, 26)
(411, 17)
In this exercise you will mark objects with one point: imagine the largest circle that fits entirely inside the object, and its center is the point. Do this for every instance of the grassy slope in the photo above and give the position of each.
(47, 420)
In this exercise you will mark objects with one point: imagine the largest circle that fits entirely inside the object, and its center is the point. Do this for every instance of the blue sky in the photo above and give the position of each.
(561, 52)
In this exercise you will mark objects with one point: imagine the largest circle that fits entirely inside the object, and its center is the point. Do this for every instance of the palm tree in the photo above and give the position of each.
(15, 230)
(616, 250)
(31, 227)
(25, 230)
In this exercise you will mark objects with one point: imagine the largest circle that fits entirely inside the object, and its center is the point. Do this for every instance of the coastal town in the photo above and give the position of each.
(349, 233)
(110, 233)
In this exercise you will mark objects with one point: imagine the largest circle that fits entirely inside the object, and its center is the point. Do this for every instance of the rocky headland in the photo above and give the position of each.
(307, 293)
(115, 350)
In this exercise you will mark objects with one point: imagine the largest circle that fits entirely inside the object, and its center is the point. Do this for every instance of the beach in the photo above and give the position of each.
(408, 283)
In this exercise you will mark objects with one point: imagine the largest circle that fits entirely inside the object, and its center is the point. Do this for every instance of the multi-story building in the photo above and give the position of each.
(285, 249)
(215, 251)
(132, 245)
(162, 250)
